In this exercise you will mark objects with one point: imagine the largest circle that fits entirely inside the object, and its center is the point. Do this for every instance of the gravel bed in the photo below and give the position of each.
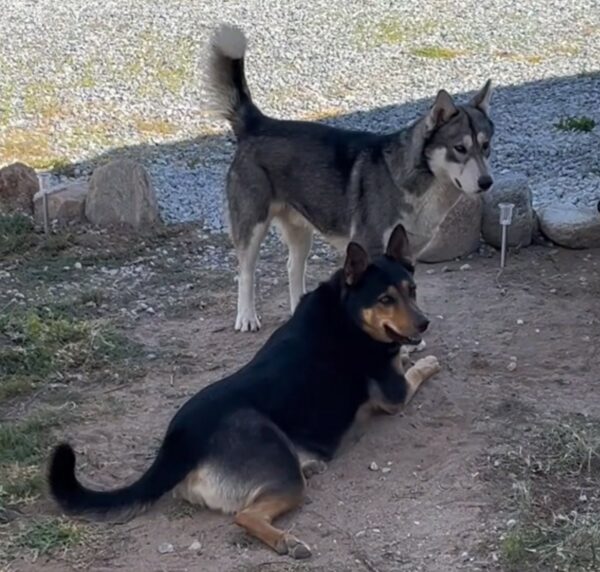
(80, 80)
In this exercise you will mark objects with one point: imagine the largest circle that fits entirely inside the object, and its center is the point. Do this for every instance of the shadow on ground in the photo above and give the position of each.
(561, 163)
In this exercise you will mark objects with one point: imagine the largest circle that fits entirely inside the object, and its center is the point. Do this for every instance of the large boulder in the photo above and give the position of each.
(66, 203)
(509, 189)
(571, 226)
(121, 194)
(18, 185)
(458, 234)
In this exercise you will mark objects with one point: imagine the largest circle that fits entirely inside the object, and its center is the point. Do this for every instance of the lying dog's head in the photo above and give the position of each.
(459, 139)
(381, 295)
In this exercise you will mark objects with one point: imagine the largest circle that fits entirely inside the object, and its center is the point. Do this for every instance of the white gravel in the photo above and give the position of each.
(81, 78)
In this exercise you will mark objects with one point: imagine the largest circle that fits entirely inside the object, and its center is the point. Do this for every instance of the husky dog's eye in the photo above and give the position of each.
(386, 300)
(460, 148)
(485, 146)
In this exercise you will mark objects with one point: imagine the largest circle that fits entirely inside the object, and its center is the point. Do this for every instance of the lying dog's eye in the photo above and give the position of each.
(386, 300)
(485, 146)
(412, 291)
(460, 148)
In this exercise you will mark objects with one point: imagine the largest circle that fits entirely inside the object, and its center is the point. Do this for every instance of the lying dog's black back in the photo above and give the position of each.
(237, 441)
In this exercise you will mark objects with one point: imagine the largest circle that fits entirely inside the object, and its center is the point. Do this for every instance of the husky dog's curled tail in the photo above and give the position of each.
(229, 91)
(168, 469)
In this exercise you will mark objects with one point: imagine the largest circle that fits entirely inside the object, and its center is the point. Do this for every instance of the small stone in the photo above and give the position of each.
(520, 322)
(571, 226)
(373, 466)
(121, 193)
(446, 269)
(78, 266)
(512, 366)
(430, 271)
(165, 548)
(195, 546)
(66, 203)
(511, 522)
(386, 470)
(465, 267)
(18, 185)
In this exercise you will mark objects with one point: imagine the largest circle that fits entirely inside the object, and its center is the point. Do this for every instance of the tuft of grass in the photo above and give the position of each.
(22, 446)
(16, 234)
(392, 32)
(42, 345)
(51, 536)
(581, 124)
(557, 498)
(24, 442)
(155, 127)
(435, 52)
(41, 100)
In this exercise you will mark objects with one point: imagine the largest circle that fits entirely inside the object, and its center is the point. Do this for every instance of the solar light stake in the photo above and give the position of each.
(506, 212)
(43, 180)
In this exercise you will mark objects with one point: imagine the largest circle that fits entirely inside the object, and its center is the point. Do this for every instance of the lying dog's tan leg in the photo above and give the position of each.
(418, 373)
(257, 518)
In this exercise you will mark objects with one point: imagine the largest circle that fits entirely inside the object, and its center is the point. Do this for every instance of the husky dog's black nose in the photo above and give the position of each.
(485, 182)
(422, 324)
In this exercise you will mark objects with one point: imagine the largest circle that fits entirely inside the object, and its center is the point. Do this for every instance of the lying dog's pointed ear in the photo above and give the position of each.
(442, 110)
(357, 261)
(398, 248)
(481, 99)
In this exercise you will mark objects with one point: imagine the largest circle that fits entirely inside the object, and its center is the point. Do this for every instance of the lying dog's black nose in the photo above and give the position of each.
(485, 182)
(422, 324)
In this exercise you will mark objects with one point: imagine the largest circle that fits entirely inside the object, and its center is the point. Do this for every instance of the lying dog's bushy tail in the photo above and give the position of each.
(168, 469)
(229, 91)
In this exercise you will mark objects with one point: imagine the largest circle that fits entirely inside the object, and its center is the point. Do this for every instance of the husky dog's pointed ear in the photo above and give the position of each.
(481, 99)
(443, 108)
(357, 261)
(398, 248)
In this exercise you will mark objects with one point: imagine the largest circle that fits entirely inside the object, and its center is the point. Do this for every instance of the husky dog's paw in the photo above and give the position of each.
(290, 545)
(247, 322)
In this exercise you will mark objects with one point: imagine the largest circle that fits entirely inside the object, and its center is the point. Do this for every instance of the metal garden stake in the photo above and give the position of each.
(44, 180)
(506, 212)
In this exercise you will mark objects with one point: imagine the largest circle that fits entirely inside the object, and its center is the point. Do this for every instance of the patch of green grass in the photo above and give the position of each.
(581, 124)
(50, 536)
(24, 442)
(557, 498)
(435, 52)
(392, 32)
(42, 345)
(7, 93)
(16, 234)
(20, 484)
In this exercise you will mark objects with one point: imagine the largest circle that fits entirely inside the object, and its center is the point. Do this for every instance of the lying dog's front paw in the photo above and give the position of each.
(428, 365)
(313, 467)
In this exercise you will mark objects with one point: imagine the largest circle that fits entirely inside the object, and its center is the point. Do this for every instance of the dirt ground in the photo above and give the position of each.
(440, 498)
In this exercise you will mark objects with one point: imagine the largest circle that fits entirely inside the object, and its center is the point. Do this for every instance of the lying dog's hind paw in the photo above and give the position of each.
(293, 547)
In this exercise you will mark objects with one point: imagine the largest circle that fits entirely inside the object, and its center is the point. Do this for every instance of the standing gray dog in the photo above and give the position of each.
(348, 185)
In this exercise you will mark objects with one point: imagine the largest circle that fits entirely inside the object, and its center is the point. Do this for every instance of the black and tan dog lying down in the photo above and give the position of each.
(244, 445)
